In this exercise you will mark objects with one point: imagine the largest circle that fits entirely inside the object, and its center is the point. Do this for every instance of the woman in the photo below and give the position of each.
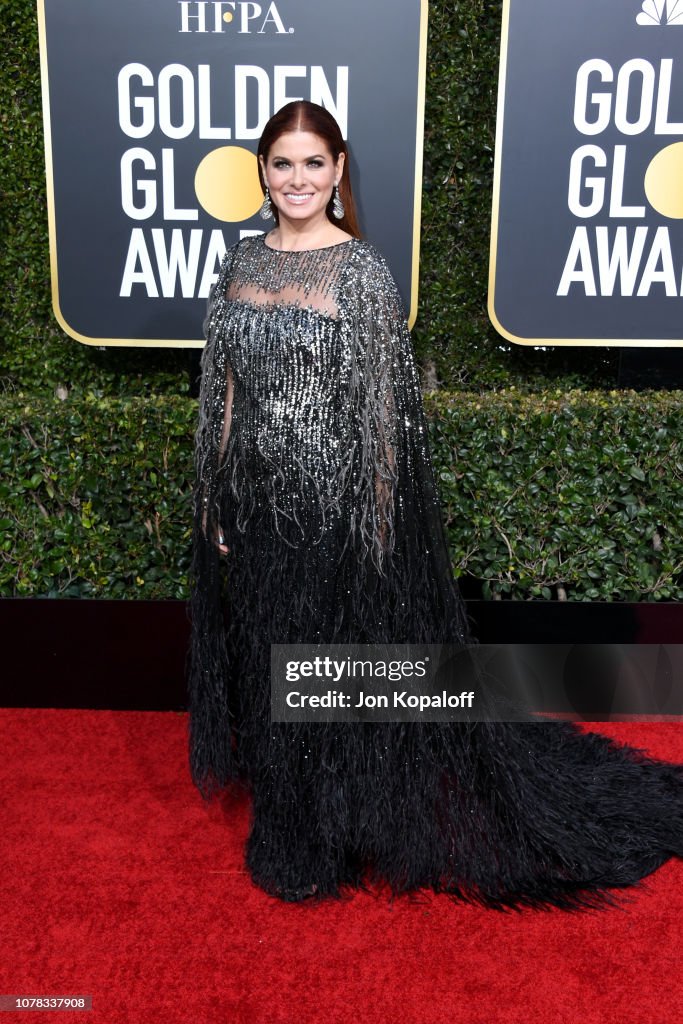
(317, 520)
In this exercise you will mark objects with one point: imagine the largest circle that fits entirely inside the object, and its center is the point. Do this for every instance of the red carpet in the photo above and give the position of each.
(120, 883)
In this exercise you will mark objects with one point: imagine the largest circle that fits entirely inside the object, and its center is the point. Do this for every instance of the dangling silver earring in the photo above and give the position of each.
(266, 210)
(337, 205)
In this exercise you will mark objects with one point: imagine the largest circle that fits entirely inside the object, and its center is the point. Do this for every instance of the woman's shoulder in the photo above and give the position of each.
(371, 272)
(369, 262)
(228, 261)
(239, 248)
(369, 253)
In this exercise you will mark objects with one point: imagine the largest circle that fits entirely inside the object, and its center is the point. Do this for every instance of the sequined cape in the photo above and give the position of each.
(312, 460)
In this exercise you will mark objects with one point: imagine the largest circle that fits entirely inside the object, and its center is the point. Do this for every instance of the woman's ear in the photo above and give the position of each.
(263, 169)
(339, 170)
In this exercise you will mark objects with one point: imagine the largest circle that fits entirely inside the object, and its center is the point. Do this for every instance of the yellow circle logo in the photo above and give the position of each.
(663, 180)
(227, 184)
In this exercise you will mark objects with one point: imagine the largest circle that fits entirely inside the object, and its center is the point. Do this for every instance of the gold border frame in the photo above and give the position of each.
(419, 154)
(495, 211)
(170, 343)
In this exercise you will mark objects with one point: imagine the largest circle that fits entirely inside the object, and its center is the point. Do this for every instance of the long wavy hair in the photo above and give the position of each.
(304, 116)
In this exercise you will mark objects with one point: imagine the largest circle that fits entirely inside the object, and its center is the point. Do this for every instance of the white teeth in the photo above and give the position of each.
(298, 197)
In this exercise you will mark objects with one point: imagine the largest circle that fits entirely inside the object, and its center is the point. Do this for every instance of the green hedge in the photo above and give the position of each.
(453, 332)
(578, 491)
(95, 496)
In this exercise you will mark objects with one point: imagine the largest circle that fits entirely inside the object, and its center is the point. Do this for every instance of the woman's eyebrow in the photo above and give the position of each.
(316, 156)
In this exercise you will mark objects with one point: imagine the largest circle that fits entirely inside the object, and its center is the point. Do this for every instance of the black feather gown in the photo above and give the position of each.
(312, 458)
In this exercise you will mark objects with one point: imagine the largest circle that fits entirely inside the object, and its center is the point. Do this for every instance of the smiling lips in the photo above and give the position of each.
(298, 197)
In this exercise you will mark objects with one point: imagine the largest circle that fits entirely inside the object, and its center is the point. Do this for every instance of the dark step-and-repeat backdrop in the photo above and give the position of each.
(153, 111)
(587, 227)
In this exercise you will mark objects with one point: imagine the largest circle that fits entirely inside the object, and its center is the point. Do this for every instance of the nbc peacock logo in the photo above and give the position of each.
(661, 12)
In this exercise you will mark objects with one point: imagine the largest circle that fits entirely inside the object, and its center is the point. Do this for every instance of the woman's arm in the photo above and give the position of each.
(208, 669)
(385, 472)
(382, 355)
(223, 446)
(215, 412)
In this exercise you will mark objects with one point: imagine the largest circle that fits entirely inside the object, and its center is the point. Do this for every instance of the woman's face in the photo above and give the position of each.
(301, 173)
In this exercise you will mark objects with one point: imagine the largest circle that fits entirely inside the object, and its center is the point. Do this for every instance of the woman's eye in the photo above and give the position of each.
(281, 164)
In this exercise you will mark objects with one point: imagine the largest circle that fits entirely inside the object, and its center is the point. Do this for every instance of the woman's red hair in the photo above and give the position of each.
(304, 116)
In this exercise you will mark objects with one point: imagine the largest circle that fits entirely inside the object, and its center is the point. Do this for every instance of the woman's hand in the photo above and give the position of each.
(220, 541)
(218, 538)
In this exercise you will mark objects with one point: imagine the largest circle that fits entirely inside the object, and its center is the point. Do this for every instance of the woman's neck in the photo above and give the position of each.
(290, 236)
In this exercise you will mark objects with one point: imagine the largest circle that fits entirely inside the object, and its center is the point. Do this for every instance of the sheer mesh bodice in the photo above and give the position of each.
(290, 370)
(312, 458)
